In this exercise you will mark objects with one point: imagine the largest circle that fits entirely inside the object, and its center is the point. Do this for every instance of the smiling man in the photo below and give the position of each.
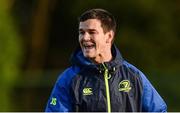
(95, 42)
(99, 79)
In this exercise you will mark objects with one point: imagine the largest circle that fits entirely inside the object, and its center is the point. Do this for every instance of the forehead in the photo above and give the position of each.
(90, 24)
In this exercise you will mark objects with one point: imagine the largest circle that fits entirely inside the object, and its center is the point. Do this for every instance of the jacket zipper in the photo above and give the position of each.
(107, 88)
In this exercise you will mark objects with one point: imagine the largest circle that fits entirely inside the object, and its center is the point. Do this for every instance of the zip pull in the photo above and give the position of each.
(109, 76)
(106, 72)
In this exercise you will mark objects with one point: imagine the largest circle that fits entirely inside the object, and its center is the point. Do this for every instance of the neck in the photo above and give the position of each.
(106, 57)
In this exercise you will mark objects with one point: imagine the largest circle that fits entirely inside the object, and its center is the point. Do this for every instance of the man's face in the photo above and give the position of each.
(92, 39)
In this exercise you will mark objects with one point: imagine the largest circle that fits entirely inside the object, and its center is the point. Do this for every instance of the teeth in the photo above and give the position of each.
(89, 46)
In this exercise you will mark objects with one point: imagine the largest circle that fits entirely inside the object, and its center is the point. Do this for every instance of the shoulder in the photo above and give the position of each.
(65, 78)
(131, 68)
(136, 71)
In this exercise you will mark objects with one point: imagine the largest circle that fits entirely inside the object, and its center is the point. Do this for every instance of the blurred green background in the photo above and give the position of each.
(37, 38)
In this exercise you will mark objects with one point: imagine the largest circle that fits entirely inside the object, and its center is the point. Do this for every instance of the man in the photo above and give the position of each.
(99, 79)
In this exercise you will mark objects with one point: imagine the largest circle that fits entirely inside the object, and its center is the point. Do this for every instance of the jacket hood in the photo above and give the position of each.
(78, 59)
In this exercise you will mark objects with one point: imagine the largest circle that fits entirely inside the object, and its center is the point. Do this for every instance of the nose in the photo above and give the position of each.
(86, 36)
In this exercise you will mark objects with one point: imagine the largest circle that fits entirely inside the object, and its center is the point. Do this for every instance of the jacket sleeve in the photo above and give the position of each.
(151, 100)
(60, 99)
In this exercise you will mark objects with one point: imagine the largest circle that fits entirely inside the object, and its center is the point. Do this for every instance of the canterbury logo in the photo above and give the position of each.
(87, 91)
(124, 86)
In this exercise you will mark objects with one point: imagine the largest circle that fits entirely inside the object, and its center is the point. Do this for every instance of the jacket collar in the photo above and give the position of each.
(78, 59)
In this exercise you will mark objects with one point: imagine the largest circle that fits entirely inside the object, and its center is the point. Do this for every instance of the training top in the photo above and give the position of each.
(115, 86)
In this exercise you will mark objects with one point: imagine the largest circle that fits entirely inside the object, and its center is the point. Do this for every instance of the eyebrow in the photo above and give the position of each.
(88, 30)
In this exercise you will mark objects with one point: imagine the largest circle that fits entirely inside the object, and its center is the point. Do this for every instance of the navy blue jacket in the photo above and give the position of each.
(114, 86)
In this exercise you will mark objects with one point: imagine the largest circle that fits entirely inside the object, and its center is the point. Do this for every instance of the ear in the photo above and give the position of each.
(110, 36)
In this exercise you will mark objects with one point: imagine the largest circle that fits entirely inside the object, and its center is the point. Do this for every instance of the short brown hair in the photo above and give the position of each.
(108, 21)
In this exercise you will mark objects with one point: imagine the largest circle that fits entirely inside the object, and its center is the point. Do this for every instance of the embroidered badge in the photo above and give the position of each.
(53, 101)
(124, 86)
(87, 91)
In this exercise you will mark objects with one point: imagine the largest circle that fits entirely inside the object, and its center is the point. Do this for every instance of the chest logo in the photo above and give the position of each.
(124, 86)
(87, 91)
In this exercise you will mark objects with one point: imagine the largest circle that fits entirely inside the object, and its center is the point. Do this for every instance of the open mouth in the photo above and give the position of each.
(89, 46)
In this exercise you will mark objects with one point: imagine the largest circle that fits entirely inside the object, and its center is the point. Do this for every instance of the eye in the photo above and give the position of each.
(81, 32)
(92, 32)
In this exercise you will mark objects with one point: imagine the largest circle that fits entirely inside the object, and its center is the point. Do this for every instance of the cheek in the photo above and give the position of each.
(79, 39)
(100, 46)
(101, 42)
